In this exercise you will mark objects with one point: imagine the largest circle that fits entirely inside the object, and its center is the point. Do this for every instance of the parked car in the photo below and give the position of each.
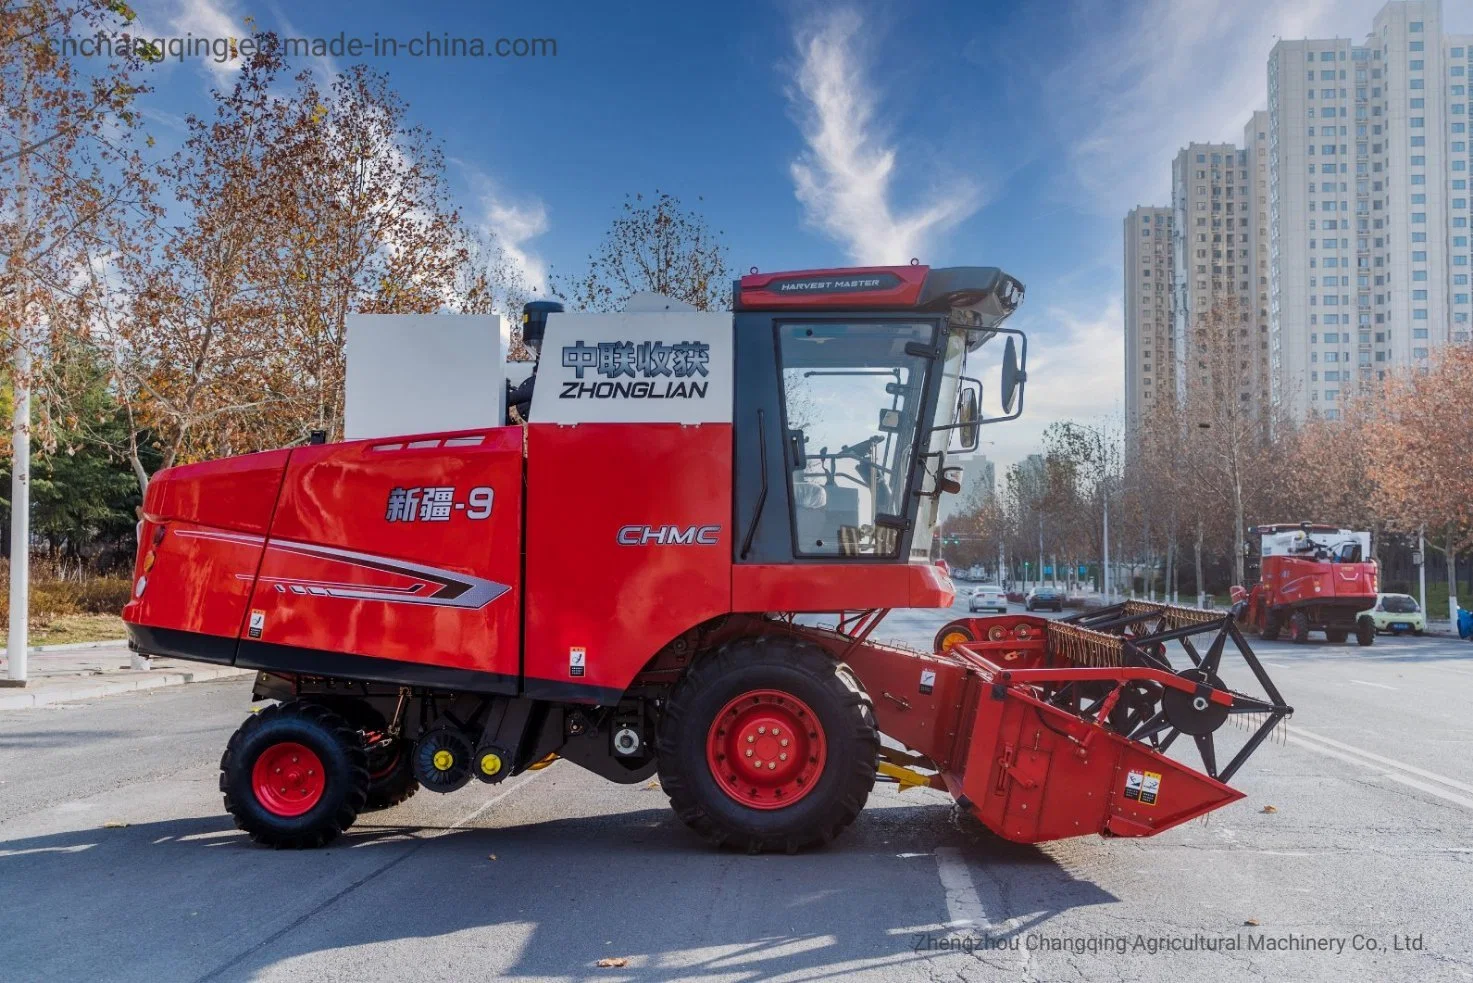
(988, 597)
(1044, 597)
(1397, 613)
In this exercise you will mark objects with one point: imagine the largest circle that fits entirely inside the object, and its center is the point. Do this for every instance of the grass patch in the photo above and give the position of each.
(66, 629)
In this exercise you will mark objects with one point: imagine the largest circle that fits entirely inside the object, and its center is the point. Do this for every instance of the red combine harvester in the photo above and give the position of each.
(1311, 578)
(409, 603)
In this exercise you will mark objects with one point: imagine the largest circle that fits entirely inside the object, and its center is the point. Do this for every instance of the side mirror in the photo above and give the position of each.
(1012, 376)
(967, 417)
(950, 481)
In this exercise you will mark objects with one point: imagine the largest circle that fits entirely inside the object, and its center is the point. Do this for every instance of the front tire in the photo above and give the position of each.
(294, 776)
(1365, 631)
(768, 744)
(1299, 628)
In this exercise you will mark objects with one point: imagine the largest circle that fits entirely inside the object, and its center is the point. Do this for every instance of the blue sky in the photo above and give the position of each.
(817, 135)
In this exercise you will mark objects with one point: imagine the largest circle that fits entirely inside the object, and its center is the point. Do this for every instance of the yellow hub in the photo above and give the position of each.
(490, 763)
(443, 760)
(951, 638)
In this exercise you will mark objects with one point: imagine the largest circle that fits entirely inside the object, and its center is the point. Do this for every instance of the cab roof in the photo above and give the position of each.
(987, 290)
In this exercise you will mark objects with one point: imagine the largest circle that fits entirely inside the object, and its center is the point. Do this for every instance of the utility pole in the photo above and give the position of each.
(1107, 549)
(20, 470)
(1040, 550)
(1422, 573)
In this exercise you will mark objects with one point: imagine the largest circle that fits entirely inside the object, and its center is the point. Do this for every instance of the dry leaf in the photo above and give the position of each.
(114, 824)
(491, 856)
(615, 962)
(1269, 809)
(1252, 921)
(654, 784)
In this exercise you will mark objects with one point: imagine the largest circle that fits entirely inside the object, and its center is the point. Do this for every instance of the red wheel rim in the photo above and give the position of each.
(288, 779)
(766, 749)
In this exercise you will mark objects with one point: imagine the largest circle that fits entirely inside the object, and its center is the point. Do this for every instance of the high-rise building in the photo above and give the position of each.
(1368, 194)
(1150, 355)
(1255, 142)
(1212, 217)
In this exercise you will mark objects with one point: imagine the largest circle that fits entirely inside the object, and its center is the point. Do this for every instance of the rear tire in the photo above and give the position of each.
(722, 700)
(1299, 628)
(1272, 626)
(390, 776)
(320, 763)
(1365, 631)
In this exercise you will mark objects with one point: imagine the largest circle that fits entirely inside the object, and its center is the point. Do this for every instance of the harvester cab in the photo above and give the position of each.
(619, 583)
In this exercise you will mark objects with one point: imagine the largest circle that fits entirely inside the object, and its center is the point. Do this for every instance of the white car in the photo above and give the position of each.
(988, 597)
(1397, 613)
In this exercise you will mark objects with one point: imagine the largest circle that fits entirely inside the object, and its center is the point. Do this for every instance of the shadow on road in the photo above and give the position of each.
(192, 898)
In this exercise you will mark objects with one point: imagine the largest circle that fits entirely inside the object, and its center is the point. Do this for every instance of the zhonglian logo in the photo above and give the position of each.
(642, 370)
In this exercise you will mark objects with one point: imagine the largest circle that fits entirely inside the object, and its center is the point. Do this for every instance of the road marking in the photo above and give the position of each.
(963, 906)
(1355, 759)
(1392, 762)
(1377, 685)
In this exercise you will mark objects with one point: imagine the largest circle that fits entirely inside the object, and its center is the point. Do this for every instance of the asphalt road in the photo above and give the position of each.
(1369, 845)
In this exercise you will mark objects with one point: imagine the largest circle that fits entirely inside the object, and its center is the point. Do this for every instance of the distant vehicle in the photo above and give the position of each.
(988, 597)
(1397, 613)
(1311, 578)
(1044, 597)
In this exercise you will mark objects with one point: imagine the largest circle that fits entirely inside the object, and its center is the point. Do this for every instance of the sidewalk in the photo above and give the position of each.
(83, 672)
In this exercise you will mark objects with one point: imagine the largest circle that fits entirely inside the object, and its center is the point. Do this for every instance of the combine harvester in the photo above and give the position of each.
(1312, 578)
(410, 603)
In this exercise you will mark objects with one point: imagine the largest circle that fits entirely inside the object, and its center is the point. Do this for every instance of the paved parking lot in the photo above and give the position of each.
(117, 862)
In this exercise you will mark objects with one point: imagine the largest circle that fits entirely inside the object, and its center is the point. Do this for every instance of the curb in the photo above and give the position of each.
(71, 646)
(67, 693)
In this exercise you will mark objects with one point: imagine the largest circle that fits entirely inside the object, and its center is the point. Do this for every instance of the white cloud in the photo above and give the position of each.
(1076, 371)
(514, 224)
(511, 222)
(207, 19)
(845, 177)
(1162, 73)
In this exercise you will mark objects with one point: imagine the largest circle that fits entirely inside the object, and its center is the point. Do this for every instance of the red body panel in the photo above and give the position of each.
(621, 602)
(402, 589)
(200, 580)
(236, 493)
(839, 586)
(214, 518)
(1292, 579)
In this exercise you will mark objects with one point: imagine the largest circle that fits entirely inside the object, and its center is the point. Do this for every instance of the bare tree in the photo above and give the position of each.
(654, 245)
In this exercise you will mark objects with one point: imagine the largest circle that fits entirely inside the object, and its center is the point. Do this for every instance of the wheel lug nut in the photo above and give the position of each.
(783, 756)
(294, 759)
(750, 738)
(784, 742)
(749, 752)
(775, 732)
(761, 730)
(278, 771)
(771, 766)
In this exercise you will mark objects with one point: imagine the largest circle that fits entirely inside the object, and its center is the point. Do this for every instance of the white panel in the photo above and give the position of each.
(423, 373)
(671, 367)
